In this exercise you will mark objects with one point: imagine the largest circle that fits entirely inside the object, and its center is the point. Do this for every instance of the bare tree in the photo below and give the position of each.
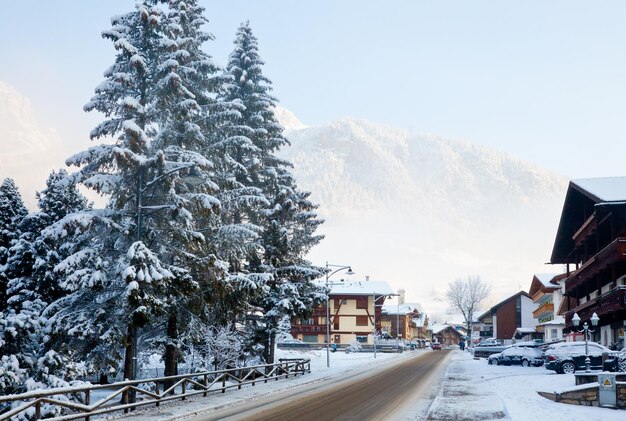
(465, 295)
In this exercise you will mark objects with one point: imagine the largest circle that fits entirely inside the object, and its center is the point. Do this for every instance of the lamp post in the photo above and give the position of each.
(339, 268)
(594, 322)
(192, 179)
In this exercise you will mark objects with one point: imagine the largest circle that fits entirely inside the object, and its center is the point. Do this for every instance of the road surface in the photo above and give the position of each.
(389, 392)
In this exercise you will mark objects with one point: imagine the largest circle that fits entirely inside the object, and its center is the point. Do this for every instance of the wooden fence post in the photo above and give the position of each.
(184, 387)
(157, 391)
(87, 401)
(206, 384)
(223, 382)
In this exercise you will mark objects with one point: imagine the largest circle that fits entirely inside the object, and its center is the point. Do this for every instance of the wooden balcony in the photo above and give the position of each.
(543, 310)
(608, 306)
(308, 329)
(538, 296)
(612, 253)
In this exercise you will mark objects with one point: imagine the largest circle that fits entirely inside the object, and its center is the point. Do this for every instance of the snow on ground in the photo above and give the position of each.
(473, 390)
(340, 363)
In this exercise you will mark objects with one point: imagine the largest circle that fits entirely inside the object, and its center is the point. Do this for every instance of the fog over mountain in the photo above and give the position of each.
(28, 152)
(421, 210)
(414, 210)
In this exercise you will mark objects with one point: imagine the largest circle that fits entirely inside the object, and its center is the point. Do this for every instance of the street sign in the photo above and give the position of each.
(607, 390)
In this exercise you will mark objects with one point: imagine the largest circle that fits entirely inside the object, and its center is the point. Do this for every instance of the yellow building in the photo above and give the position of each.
(355, 312)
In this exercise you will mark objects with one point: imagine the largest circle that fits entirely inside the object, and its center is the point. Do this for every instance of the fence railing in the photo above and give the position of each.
(75, 402)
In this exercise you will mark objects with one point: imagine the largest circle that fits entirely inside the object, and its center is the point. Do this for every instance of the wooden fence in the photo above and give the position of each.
(75, 402)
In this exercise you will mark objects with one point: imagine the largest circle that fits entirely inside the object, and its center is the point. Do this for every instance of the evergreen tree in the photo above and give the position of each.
(30, 272)
(12, 211)
(130, 267)
(289, 222)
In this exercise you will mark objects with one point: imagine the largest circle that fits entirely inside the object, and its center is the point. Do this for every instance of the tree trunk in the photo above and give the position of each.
(128, 356)
(171, 357)
(128, 363)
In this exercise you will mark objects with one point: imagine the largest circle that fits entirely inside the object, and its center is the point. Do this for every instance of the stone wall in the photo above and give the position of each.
(621, 395)
(587, 396)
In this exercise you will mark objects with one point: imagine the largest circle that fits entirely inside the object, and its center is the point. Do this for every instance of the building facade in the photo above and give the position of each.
(404, 320)
(505, 319)
(546, 291)
(591, 243)
(355, 309)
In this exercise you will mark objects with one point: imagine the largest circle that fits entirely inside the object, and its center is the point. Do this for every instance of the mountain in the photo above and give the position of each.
(28, 152)
(421, 210)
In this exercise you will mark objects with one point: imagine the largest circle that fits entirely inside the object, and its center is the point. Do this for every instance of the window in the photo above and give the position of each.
(309, 338)
(553, 333)
(361, 303)
(337, 339)
(309, 321)
(361, 321)
(361, 339)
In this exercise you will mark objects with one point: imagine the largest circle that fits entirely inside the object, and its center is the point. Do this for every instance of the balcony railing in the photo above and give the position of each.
(314, 329)
(609, 302)
(543, 310)
(612, 253)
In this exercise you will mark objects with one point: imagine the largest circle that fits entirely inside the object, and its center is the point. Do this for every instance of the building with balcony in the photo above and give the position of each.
(405, 320)
(355, 309)
(591, 243)
(504, 320)
(546, 291)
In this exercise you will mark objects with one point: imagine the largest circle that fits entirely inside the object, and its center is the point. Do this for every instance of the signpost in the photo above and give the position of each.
(607, 390)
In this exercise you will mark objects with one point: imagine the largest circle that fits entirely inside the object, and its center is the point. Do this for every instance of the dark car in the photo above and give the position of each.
(615, 362)
(436, 345)
(518, 355)
(567, 357)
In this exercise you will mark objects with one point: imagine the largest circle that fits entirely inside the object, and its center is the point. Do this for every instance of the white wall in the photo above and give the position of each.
(527, 312)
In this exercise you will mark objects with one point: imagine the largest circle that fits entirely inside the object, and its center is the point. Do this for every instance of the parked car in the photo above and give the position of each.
(522, 355)
(436, 345)
(292, 343)
(490, 342)
(615, 362)
(567, 357)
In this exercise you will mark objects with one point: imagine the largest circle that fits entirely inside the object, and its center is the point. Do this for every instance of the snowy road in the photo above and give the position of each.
(395, 391)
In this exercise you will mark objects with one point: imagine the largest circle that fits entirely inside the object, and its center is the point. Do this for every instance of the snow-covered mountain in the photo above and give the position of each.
(28, 152)
(420, 210)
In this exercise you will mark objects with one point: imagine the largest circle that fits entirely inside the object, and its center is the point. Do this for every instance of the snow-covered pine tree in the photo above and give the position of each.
(185, 104)
(289, 222)
(127, 269)
(12, 211)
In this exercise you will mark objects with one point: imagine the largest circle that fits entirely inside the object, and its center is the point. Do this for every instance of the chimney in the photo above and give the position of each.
(367, 278)
(402, 292)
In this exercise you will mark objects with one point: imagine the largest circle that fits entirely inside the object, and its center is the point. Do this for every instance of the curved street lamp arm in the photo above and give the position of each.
(162, 176)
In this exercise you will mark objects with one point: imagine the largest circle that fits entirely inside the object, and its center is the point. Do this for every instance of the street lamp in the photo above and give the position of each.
(594, 322)
(339, 268)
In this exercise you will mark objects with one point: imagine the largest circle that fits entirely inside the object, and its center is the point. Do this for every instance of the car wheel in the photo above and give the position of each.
(525, 363)
(568, 368)
(494, 362)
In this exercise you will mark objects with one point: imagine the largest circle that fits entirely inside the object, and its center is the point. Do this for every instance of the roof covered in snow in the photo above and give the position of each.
(546, 279)
(406, 308)
(359, 288)
(440, 327)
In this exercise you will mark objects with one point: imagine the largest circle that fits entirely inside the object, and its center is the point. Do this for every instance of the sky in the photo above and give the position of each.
(544, 81)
